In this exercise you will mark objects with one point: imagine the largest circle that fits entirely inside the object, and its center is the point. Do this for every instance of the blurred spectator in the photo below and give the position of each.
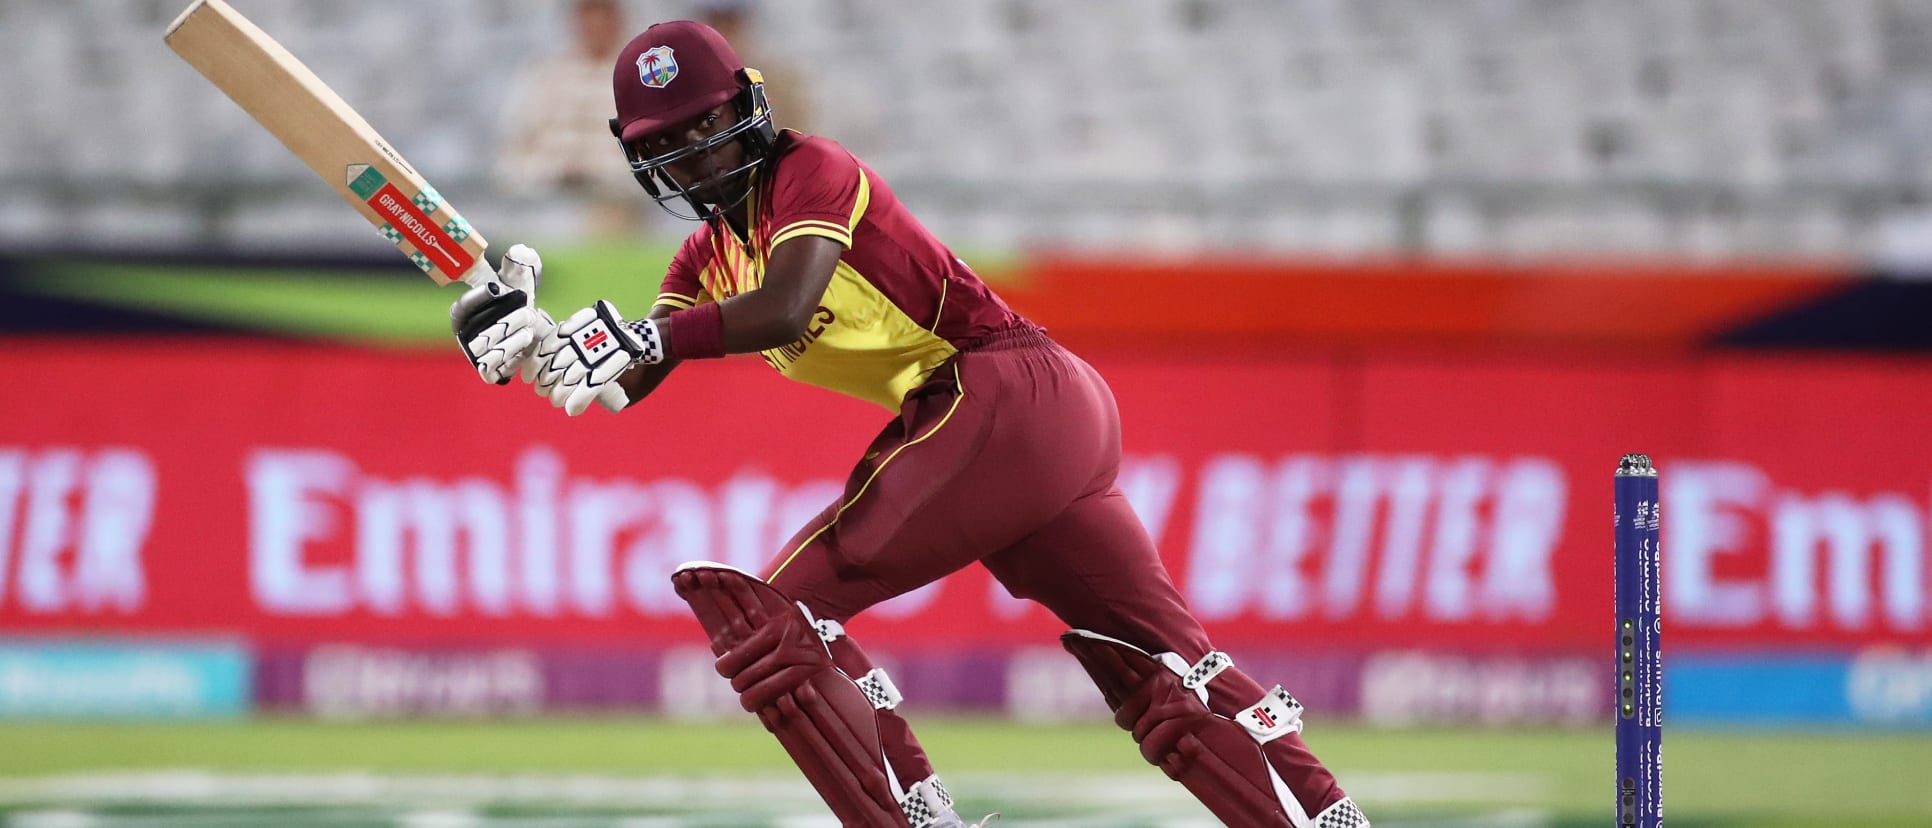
(556, 137)
(790, 103)
(556, 133)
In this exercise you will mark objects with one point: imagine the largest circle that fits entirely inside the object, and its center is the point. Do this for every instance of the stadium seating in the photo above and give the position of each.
(1700, 127)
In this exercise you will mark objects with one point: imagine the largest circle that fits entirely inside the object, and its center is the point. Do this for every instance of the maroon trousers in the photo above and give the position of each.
(1006, 457)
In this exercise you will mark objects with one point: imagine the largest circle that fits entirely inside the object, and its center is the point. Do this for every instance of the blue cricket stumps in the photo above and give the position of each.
(1639, 674)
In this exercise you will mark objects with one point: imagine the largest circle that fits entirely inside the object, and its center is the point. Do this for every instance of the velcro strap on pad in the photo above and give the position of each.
(828, 629)
(1277, 714)
(1206, 669)
(1343, 814)
(1216, 759)
(927, 802)
(879, 689)
(1195, 676)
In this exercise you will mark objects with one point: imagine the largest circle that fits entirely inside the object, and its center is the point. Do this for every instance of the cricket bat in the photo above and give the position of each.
(314, 122)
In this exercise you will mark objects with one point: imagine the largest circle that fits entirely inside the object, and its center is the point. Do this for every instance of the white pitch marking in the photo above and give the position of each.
(52, 819)
(446, 800)
(439, 819)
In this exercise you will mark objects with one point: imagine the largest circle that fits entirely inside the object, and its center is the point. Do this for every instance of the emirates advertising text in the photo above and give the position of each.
(1383, 508)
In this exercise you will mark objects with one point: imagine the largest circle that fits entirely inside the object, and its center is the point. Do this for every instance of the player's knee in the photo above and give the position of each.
(774, 661)
(767, 645)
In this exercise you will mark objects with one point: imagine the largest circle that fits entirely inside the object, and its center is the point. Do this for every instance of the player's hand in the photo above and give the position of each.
(499, 329)
(581, 359)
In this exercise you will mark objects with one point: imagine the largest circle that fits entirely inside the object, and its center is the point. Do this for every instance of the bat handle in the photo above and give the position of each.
(483, 275)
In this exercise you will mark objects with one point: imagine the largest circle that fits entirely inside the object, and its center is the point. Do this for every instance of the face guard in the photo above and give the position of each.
(754, 129)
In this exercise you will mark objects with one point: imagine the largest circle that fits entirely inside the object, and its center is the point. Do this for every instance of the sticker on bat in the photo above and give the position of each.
(408, 221)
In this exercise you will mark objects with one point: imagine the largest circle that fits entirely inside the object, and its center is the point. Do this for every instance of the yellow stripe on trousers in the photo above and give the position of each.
(957, 383)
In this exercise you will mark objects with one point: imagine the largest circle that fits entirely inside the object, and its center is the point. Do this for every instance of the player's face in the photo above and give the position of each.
(702, 173)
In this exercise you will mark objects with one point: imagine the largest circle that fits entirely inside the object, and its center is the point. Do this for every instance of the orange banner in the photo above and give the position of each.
(1242, 302)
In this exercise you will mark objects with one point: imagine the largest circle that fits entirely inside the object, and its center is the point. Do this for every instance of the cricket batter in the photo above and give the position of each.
(1002, 452)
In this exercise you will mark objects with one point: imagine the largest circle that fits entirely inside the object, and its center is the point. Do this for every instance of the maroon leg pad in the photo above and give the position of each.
(783, 673)
(902, 748)
(1213, 757)
(1313, 785)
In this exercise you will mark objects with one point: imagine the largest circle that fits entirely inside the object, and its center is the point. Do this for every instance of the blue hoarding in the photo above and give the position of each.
(67, 679)
(1890, 687)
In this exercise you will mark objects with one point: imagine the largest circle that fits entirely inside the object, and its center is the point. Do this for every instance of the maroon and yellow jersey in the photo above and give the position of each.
(899, 303)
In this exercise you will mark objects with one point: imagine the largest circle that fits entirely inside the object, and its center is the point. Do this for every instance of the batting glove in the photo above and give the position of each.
(580, 360)
(499, 324)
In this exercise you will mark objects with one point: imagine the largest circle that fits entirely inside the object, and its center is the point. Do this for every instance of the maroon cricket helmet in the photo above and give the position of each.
(672, 72)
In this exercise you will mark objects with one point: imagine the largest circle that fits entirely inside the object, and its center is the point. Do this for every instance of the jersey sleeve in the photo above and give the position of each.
(820, 191)
(683, 286)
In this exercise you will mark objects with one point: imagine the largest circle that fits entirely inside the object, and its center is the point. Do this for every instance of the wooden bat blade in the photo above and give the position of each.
(309, 118)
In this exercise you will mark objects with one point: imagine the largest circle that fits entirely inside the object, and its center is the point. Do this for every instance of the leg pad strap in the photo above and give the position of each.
(1215, 758)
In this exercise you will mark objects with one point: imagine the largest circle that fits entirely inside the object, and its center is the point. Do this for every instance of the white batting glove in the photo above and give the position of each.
(581, 359)
(499, 329)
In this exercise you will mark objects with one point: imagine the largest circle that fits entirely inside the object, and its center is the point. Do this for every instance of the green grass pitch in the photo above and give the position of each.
(1555, 778)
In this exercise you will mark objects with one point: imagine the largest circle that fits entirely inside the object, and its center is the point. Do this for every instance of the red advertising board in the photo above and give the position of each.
(294, 494)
